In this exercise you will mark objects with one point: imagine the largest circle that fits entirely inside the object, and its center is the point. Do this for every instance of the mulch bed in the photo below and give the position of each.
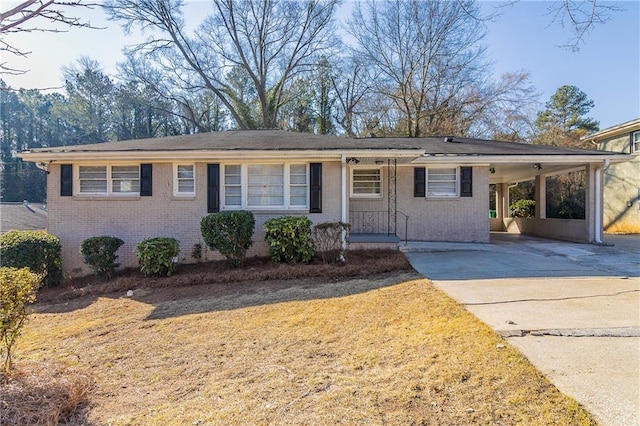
(359, 263)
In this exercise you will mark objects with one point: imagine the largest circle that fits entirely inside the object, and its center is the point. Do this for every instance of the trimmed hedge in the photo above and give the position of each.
(100, 254)
(156, 256)
(290, 239)
(17, 290)
(229, 233)
(36, 250)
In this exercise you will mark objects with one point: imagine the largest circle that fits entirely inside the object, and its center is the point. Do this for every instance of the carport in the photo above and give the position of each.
(507, 172)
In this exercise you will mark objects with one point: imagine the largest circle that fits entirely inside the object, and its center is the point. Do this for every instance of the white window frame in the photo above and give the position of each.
(177, 179)
(244, 186)
(430, 194)
(635, 142)
(109, 178)
(377, 196)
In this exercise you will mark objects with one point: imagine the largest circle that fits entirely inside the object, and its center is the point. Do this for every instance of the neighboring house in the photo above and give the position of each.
(433, 189)
(22, 216)
(621, 181)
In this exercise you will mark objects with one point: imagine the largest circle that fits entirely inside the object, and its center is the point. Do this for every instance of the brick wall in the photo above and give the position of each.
(73, 219)
(463, 219)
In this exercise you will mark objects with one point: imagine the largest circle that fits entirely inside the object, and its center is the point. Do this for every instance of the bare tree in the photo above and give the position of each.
(270, 42)
(426, 53)
(36, 15)
(579, 16)
(352, 85)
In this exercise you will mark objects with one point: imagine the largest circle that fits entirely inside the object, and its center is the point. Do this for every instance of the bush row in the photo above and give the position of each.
(290, 239)
(36, 250)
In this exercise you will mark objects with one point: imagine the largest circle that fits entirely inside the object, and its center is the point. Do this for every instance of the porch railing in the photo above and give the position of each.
(369, 222)
(376, 222)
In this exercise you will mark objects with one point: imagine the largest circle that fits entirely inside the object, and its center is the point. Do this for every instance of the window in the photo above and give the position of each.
(298, 185)
(265, 185)
(268, 186)
(125, 179)
(635, 143)
(185, 180)
(442, 182)
(93, 179)
(109, 180)
(232, 186)
(366, 182)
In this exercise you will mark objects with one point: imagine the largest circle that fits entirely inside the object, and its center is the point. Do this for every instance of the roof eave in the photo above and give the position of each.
(207, 155)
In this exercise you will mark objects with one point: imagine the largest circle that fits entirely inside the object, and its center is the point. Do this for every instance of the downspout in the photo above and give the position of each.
(508, 212)
(343, 203)
(597, 220)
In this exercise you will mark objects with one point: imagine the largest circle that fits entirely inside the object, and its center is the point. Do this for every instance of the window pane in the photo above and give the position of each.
(232, 188)
(186, 186)
(90, 172)
(125, 179)
(366, 182)
(265, 185)
(93, 186)
(93, 179)
(442, 182)
(366, 187)
(186, 183)
(185, 172)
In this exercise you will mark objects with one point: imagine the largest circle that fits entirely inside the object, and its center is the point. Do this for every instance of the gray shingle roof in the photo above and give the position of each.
(279, 140)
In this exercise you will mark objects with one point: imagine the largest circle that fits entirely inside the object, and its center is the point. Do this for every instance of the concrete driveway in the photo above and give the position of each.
(572, 309)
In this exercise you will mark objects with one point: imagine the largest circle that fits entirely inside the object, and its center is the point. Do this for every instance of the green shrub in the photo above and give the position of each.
(328, 238)
(229, 233)
(17, 290)
(289, 239)
(570, 209)
(523, 208)
(36, 250)
(156, 256)
(100, 254)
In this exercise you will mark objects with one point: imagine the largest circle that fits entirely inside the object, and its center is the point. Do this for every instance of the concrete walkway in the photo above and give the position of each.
(572, 309)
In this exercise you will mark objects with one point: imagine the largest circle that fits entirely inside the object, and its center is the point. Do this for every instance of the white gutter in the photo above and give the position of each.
(175, 155)
(597, 222)
(343, 201)
(523, 159)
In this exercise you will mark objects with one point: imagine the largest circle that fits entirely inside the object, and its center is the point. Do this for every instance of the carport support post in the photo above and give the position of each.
(541, 196)
(593, 208)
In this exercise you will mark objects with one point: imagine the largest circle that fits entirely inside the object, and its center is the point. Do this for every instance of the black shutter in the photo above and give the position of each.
(419, 182)
(66, 180)
(213, 188)
(146, 180)
(315, 188)
(466, 181)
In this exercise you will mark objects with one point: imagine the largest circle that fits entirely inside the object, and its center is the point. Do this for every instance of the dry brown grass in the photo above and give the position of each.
(44, 394)
(385, 349)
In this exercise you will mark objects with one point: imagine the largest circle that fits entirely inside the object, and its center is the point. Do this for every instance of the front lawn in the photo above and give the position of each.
(385, 349)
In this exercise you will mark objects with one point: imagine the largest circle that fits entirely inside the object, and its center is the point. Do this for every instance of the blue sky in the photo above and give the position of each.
(607, 67)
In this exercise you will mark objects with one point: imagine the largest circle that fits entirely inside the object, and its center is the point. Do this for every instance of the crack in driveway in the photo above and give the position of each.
(575, 332)
(554, 299)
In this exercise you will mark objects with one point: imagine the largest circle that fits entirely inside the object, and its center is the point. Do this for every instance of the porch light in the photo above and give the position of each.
(537, 166)
(353, 160)
(379, 162)
(492, 170)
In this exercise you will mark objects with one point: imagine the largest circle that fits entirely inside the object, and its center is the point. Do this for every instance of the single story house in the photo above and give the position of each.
(621, 181)
(429, 189)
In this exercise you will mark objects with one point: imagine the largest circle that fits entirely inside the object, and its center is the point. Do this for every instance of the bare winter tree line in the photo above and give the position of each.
(392, 68)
